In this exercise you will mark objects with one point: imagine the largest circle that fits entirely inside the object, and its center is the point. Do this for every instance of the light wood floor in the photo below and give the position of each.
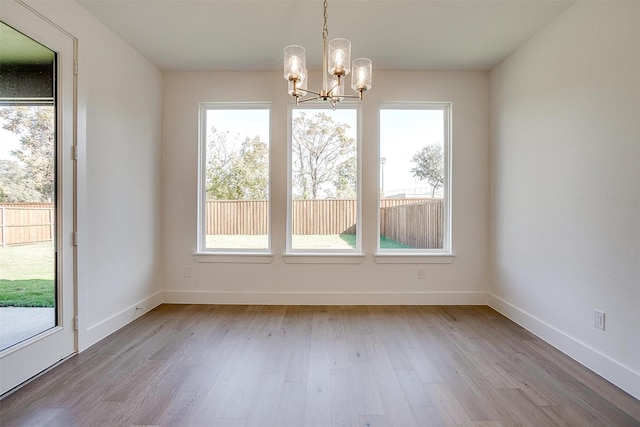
(321, 366)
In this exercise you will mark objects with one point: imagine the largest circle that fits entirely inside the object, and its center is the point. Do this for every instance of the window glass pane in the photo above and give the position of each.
(324, 180)
(413, 146)
(27, 221)
(236, 175)
(28, 177)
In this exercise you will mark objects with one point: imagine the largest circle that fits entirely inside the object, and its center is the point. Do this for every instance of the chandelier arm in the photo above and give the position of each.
(351, 96)
(310, 91)
(318, 95)
(312, 98)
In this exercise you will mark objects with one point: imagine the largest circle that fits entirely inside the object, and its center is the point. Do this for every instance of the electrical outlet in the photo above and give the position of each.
(187, 272)
(420, 272)
(598, 319)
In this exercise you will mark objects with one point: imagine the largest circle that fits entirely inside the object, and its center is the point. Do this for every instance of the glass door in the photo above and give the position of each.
(37, 302)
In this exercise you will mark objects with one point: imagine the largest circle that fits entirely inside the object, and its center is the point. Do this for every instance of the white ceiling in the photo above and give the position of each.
(394, 34)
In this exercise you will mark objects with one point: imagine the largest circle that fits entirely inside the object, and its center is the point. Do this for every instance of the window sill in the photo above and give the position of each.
(414, 259)
(323, 259)
(237, 257)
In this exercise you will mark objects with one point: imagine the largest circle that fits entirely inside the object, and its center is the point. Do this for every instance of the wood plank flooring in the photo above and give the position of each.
(208, 365)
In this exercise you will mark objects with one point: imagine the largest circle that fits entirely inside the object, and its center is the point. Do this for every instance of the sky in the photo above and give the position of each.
(8, 141)
(247, 122)
(252, 122)
(402, 133)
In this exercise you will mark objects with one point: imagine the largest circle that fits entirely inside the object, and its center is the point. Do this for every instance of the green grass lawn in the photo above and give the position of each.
(27, 275)
(385, 243)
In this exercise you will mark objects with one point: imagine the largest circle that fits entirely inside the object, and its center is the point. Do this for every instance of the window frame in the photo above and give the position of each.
(202, 253)
(422, 255)
(335, 256)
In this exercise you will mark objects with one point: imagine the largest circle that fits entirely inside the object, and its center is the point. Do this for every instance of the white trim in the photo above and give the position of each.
(97, 332)
(35, 377)
(447, 108)
(414, 259)
(237, 258)
(325, 298)
(202, 132)
(46, 349)
(290, 251)
(27, 342)
(203, 108)
(316, 258)
(620, 375)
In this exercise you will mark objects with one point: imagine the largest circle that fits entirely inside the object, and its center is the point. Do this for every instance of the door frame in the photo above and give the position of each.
(29, 358)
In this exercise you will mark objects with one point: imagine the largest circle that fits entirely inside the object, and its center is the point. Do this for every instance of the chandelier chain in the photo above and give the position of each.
(325, 31)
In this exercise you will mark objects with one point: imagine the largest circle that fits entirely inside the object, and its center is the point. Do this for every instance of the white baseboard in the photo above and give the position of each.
(620, 375)
(101, 330)
(326, 298)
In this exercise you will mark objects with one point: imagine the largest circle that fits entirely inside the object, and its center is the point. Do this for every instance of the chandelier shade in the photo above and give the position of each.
(301, 86)
(336, 65)
(339, 57)
(294, 62)
(361, 77)
(337, 85)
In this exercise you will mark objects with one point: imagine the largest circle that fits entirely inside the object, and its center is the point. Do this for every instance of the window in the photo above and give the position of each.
(323, 204)
(234, 178)
(414, 178)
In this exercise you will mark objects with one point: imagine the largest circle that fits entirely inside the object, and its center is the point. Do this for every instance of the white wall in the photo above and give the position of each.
(463, 281)
(566, 186)
(119, 112)
(565, 202)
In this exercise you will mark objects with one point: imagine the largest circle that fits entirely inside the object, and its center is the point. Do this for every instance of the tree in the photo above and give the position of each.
(251, 168)
(236, 170)
(323, 157)
(346, 178)
(429, 166)
(35, 126)
(15, 185)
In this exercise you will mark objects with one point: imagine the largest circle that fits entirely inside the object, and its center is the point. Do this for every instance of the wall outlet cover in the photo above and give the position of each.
(598, 319)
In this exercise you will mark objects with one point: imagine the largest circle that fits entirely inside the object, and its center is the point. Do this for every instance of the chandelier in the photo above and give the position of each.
(335, 67)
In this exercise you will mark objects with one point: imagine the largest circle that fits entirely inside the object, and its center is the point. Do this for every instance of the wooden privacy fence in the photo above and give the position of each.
(402, 220)
(415, 222)
(24, 223)
(309, 216)
(230, 217)
(418, 225)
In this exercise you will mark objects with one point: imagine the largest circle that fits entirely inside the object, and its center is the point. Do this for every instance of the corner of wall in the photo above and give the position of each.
(613, 371)
(106, 327)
